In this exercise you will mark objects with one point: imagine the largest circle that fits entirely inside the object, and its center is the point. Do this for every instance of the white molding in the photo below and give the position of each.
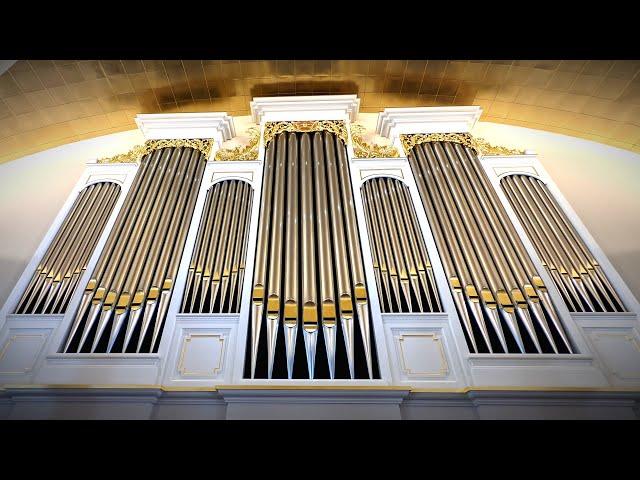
(38, 402)
(216, 125)
(392, 122)
(316, 107)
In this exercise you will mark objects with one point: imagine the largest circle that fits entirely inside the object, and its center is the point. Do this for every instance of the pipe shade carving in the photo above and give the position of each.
(575, 271)
(126, 300)
(404, 276)
(65, 261)
(501, 300)
(309, 286)
(216, 272)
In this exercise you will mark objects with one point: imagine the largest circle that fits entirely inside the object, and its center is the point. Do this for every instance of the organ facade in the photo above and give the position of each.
(434, 277)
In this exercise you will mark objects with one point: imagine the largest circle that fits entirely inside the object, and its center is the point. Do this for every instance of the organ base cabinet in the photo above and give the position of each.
(313, 273)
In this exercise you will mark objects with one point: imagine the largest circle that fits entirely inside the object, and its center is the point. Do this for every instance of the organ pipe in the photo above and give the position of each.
(219, 249)
(308, 258)
(128, 294)
(402, 223)
(493, 281)
(57, 274)
(573, 268)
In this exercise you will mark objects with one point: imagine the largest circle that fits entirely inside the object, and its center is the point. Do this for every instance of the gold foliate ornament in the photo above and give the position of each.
(204, 145)
(480, 145)
(242, 152)
(362, 149)
(271, 129)
(487, 149)
(132, 156)
(411, 140)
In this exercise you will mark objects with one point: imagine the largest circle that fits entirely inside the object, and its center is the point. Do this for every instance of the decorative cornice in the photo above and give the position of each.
(242, 152)
(137, 152)
(157, 126)
(395, 121)
(271, 129)
(312, 107)
(480, 145)
(362, 149)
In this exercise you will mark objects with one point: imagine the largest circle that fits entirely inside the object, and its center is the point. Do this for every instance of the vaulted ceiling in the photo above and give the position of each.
(45, 103)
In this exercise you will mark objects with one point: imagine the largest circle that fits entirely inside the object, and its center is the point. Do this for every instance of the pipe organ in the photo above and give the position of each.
(577, 274)
(493, 280)
(125, 302)
(216, 272)
(311, 259)
(309, 264)
(400, 259)
(66, 258)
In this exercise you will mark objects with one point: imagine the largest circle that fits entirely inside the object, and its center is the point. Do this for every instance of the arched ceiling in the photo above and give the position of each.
(45, 103)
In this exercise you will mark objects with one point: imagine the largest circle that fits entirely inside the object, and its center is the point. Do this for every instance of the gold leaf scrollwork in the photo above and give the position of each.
(271, 129)
(480, 145)
(362, 149)
(203, 145)
(411, 140)
(487, 149)
(132, 156)
(242, 152)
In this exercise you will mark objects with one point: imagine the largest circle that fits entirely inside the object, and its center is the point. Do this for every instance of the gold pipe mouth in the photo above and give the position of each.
(537, 282)
(110, 298)
(258, 293)
(167, 284)
(123, 302)
(519, 298)
(290, 310)
(154, 292)
(530, 291)
(273, 305)
(310, 314)
(503, 298)
(488, 298)
(360, 292)
(328, 310)
(471, 291)
(346, 306)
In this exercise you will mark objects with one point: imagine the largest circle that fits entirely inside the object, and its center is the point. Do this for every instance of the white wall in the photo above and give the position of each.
(599, 181)
(33, 190)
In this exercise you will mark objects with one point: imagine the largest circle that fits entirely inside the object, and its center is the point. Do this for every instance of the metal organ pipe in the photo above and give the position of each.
(309, 249)
(572, 266)
(227, 202)
(402, 221)
(129, 291)
(488, 268)
(57, 274)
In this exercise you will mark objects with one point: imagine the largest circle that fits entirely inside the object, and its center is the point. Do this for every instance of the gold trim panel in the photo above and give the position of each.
(362, 149)
(204, 145)
(243, 152)
(271, 129)
(409, 389)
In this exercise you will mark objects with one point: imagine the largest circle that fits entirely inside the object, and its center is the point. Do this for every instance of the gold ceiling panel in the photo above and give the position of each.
(45, 103)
